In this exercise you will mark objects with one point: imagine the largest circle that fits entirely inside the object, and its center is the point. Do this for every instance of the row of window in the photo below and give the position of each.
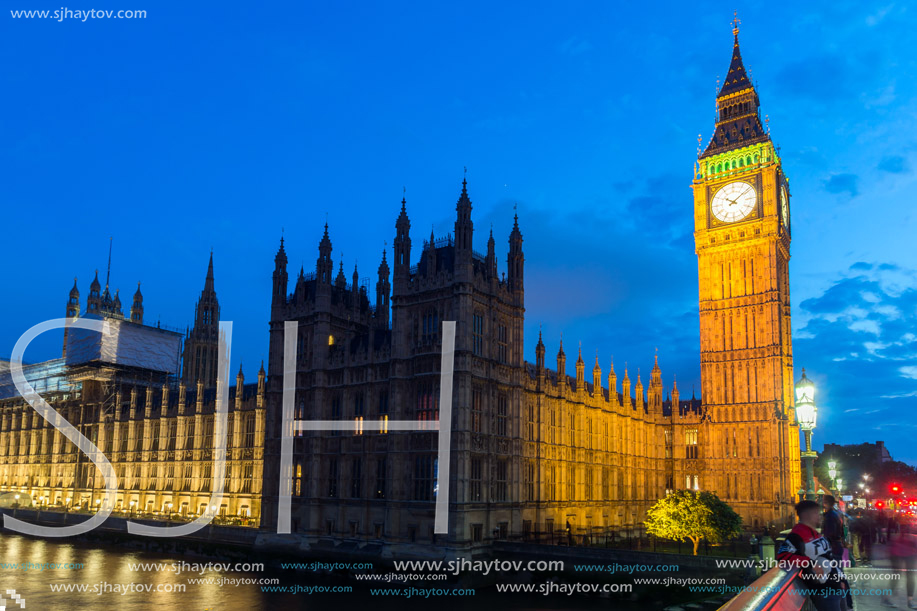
(477, 336)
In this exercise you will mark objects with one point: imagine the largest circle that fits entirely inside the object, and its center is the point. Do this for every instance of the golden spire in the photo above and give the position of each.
(735, 23)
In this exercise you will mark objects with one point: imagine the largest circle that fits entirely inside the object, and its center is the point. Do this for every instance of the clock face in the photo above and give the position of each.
(734, 202)
(785, 207)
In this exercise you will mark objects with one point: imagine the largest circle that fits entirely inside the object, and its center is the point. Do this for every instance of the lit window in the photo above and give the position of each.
(330, 340)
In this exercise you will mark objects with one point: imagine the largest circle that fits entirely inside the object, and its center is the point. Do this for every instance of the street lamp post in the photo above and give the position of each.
(832, 473)
(806, 414)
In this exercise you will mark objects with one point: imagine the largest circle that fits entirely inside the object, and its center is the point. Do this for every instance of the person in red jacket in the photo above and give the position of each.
(806, 548)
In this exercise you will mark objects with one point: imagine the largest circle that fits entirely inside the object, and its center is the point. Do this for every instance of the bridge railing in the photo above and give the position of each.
(776, 590)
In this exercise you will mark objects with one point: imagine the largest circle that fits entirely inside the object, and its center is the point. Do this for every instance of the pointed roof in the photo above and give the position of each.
(95, 283)
(208, 283)
(738, 121)
(281, 257)
(464, 202)
(325, 244)
(75, 292)
(138, 295)
(403, 220)
(737, 77)
(515, 233)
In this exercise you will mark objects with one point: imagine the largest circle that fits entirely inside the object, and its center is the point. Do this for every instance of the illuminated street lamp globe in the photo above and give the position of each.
(806, 412)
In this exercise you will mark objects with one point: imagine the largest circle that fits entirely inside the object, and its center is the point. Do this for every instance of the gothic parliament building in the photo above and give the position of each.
(534, 452)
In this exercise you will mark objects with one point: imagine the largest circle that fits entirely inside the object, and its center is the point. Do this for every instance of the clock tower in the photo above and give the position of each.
(750, 445)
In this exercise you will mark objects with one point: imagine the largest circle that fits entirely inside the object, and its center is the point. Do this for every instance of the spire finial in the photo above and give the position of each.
(108, 273)
(735, 23)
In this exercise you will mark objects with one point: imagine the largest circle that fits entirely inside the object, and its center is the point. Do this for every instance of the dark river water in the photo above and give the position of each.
(109, 583)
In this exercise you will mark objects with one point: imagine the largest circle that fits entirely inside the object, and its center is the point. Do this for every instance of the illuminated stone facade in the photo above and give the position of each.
(750, 437)
(157, 432)
(533, 454)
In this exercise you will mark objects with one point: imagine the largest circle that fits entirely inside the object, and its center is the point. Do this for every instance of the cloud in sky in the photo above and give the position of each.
(843, 183)
(893, 164)
(860, 348)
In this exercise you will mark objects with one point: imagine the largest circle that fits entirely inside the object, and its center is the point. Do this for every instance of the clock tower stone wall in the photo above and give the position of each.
(750, 445)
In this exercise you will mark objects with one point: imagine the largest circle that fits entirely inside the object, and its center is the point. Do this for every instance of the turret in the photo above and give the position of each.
(580, 371)
(72, 312)
(73, 302)
(675, 404)
(200, 356)
(597, 378)
(491, 261)
(625, 390)
(383, 292)
(324, 266)
(340, 280)
(638, 393)
(240, 381)
(655, 389)
(182, 398)
(562, 368)
(612, 384)
(261, 388)
(464, 228)
(280, 277)
(116, 303)
(137, 307)
(94, 303)
(431, 255)
(515, 260)
(402, 245)
(539, 354)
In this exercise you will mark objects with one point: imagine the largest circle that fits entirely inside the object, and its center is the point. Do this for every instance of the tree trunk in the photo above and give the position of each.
(696, 542)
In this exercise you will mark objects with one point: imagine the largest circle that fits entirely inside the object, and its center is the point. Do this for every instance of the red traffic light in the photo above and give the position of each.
(880, 504)
(896, 489)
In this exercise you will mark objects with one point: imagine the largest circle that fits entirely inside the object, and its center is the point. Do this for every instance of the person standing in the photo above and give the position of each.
(903, 552)
(806, 548)
(833, 527)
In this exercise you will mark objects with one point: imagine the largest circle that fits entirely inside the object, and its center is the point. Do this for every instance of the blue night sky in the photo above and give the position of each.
(216, 127)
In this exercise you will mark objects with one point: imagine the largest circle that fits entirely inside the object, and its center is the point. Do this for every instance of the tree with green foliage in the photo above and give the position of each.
(692, 516)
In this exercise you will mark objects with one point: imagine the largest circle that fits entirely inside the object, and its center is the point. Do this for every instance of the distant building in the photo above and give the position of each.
(867, 455)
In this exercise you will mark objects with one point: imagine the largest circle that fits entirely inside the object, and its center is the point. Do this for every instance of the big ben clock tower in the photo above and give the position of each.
(742, 239)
